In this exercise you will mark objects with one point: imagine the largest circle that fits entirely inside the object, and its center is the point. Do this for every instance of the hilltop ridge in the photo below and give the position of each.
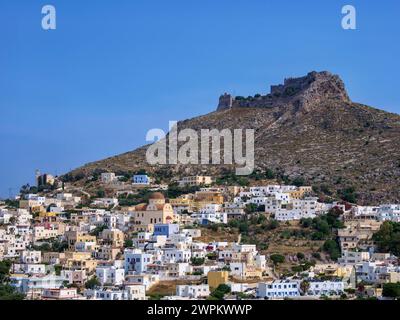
(306, 128)
(301, 92)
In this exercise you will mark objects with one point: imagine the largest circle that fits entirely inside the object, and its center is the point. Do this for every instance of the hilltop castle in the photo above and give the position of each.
(313, 87)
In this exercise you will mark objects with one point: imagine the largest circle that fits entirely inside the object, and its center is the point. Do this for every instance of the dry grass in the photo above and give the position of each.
(208, 235)
(168, 287)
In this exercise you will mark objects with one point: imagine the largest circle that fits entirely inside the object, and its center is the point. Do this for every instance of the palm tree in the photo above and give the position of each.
(304, 286)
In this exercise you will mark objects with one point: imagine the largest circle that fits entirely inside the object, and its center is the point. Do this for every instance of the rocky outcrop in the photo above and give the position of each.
(301, 92)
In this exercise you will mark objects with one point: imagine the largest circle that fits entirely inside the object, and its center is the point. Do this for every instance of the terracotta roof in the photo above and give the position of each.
(141, 207)
(157, 195)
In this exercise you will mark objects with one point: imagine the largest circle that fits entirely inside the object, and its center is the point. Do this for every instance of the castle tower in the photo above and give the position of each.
(37, 176)
(225, 102)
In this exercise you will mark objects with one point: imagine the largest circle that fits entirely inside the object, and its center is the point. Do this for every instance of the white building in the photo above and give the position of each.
(234, 210)
(136, 260)
(60, 294)
(372, 272)
(278, 289)
(353, 257)
(110, 275)
(131, 292)
(211, 213)
(325, 288)
(36, 283)
(147, 280)
(135, 292)
(105, 202)
(193, 291)
(107, 177)
(5, 216)
(364, 211)
(41, 232)
(31, 256)
(389, 212)
(29, 268)
(177, 255)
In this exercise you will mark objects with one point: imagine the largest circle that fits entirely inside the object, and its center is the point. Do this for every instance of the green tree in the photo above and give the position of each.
(100, 193)
(128, 243)
(221, 291)
(306, 222)
(5, 266)
(304, 287)
(387, 238)
(298, 181)
(251, 208)
(348, 194)
(197, 261)
(92, 283)
(316, 255)
(277, 258)
(300, 255)
(332, 248)
(272, 224)
(391, 290)
(244, 227)
(59, 246)
(57, 269)
(96, 231)
(269, 174)
(7, 292)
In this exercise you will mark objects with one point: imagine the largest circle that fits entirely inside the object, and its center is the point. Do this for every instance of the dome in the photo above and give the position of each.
(157, 196)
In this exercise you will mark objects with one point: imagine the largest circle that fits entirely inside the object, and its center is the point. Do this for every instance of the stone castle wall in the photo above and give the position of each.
(313, 87)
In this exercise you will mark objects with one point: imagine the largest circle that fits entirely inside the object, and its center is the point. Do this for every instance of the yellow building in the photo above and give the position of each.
(300, 192)
(80, 261)
(195, 181)
(182, 202)
(73, 255)
(202, 198)
(114, 237)
(156, 211)
(389, 277)
(53, 257)
(215, 278)
(44, 214)
(89, 265)
(106, 253)
(77, 236)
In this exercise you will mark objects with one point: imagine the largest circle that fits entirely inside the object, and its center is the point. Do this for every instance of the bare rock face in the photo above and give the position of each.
(302, 93)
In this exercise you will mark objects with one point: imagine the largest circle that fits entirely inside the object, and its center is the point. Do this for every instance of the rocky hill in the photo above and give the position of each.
(306, 128)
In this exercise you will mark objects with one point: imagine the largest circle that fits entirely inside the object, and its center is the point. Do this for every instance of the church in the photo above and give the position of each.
(157, 211)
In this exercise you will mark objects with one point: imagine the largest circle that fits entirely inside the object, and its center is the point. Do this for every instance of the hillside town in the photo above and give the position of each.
(133, 238)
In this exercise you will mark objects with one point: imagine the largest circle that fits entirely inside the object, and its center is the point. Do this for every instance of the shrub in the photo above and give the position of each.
(221, 291)
(92, 283)
(316, 255)
(332, 248)
(197, 261)
(277, 258)
(391, 290)
(387, 238)
(300, 256)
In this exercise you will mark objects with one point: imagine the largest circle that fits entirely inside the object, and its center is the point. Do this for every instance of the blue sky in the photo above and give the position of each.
(112, 70)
